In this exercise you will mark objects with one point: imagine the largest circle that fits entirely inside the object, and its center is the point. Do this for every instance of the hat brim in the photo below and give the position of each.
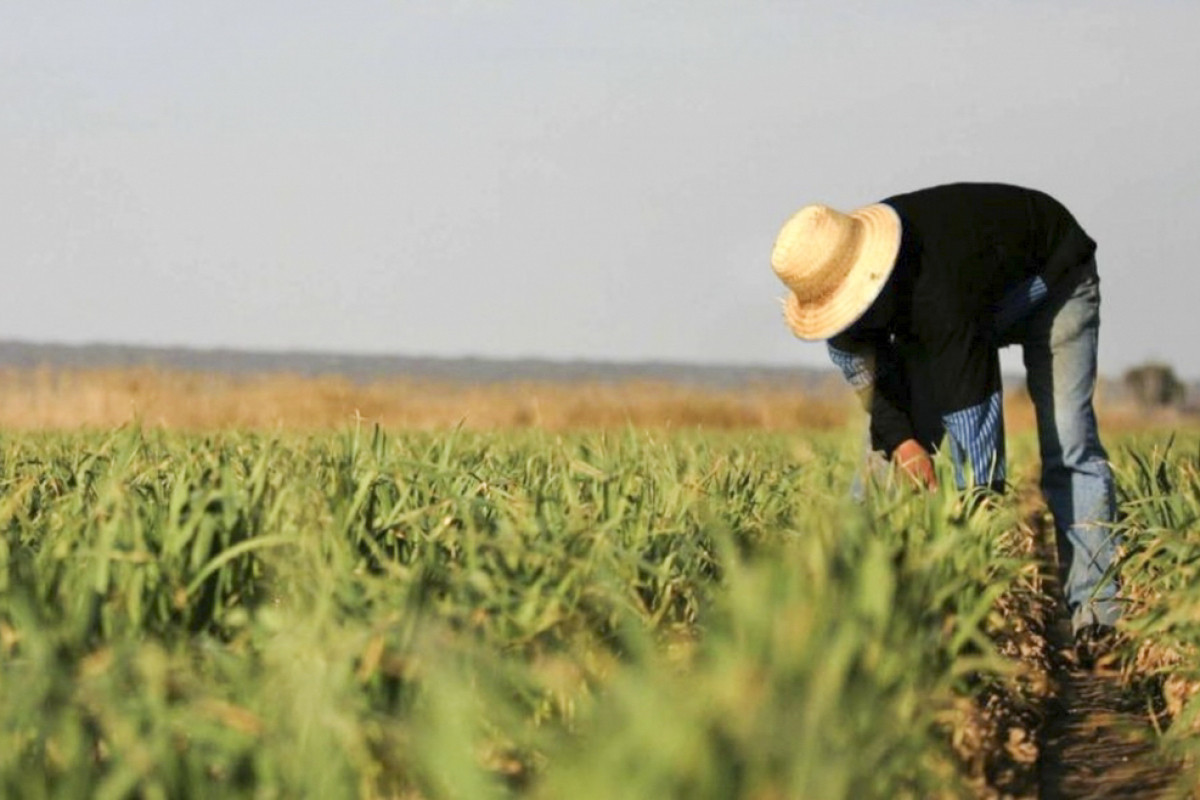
(879, 244)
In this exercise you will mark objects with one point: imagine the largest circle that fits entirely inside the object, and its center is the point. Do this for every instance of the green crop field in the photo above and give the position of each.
(607, 615)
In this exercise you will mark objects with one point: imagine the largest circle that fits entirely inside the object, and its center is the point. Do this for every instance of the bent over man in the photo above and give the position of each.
(916, 295)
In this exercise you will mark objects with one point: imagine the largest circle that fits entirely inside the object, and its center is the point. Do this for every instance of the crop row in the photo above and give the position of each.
(486, 615)
(1159, 483)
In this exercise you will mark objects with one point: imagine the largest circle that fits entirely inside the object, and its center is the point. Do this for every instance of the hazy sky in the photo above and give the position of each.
(584, 179)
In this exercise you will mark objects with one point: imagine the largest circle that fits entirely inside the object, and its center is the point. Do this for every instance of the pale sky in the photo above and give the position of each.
(589, 179)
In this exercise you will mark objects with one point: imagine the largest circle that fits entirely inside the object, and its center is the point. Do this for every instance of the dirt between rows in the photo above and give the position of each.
(1098, 740)
(1060, 730)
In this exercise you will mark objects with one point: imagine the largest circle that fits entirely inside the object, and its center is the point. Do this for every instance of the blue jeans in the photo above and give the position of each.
(1059, 341)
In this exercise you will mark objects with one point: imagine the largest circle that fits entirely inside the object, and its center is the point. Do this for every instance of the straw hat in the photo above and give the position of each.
(835, 265)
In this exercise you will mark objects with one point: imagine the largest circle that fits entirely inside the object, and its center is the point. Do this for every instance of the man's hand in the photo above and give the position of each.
(914, 460)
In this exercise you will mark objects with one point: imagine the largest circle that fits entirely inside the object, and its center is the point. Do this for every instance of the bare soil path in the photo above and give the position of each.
(1099, 739)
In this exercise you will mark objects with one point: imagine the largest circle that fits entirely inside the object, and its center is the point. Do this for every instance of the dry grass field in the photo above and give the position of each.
(65, 399)
(58, 399)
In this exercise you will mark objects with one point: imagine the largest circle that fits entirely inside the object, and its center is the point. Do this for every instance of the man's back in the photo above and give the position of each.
(975, 241)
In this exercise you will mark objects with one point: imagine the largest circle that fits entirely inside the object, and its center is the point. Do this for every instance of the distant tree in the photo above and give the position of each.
(1154, 385)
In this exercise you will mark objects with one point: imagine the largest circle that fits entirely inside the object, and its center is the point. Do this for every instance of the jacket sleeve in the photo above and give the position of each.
(874, 369)
(966, 372)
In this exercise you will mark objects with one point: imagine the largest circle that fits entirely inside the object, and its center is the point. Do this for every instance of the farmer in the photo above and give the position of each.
(915, 296)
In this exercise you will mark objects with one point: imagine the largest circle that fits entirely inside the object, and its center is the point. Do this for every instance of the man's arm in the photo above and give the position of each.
(875, 371)
(1017, 304)
(872, 369)
(966, 371)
